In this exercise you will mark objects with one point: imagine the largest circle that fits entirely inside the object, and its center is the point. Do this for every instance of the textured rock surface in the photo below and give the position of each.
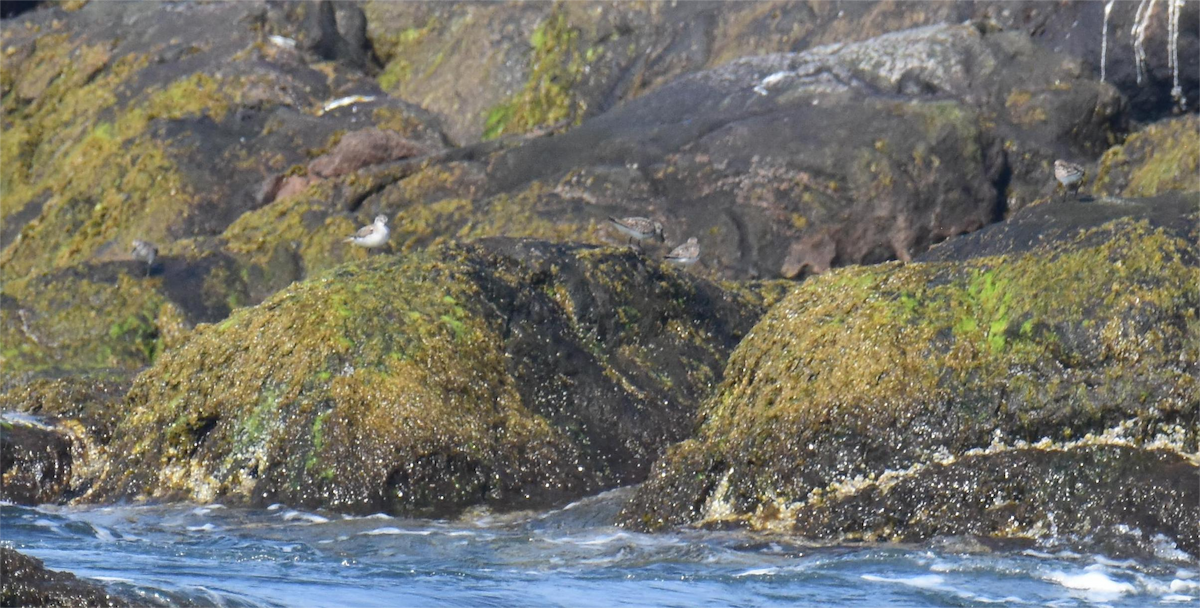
(1164, 156)
(865, 383)
(27, 582)
(35, 463)
(507, 373)
(782, 165)
(545, 62)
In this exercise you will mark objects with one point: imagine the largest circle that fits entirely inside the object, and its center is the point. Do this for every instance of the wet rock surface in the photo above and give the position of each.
(35, 463)
(864, 384)
(27, 582)
(453, 369)
(506, 373)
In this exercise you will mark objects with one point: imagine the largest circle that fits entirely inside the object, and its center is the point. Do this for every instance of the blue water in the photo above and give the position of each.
(171, 555)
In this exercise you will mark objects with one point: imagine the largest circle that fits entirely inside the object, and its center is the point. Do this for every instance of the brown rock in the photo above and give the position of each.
(363, 148)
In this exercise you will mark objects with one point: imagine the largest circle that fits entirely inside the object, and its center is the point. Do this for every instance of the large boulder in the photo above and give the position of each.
(1162, 157)
(143, 121)
(1039, 380)
(27, 582)
(495, 68)
(782, 165)
(505, 373)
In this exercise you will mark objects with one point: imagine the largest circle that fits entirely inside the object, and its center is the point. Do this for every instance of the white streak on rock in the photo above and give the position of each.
(1104, 40)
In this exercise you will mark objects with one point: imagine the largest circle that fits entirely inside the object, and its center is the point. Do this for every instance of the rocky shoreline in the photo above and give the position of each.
(898, 329)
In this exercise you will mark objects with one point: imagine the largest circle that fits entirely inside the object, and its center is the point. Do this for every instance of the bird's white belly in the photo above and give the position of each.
(375, 239)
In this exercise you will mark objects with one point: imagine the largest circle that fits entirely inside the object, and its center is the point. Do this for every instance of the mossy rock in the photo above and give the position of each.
(1087, 337)
(590, 57)
(1164, 156)
(113, 315)
(494, 373)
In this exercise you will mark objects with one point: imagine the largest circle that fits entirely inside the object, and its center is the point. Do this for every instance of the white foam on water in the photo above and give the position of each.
(275, 507)
(1112, 563)
(302, 516)
(758, 572)
(392, 530)
(112, 579)
(1166, 548)
(371, 516)
(205, 528)
(103, 534)
(1093, 582)
(1179, 586)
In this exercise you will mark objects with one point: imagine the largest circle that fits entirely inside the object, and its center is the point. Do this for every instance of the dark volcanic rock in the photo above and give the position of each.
(1093, 493)
(782, 165)
(35, 463)
(575, 60)
(506, 373)
(27, 582)
(1080, 344)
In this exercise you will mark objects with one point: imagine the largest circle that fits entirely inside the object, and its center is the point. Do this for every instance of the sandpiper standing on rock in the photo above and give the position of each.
(685, 254)
(373, 235)
(144, 251)
(639, 228)
(1070, 175)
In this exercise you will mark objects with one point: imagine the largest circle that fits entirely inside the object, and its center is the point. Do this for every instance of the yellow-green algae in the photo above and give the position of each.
(69, 322)
(107, 181)
(864, 370)
(434, 206)
(1162, 157)
(547, 98)
(385, 363)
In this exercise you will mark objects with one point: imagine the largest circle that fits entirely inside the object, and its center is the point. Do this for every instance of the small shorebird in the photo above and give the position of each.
(373, 235)
(638, 228)
(144, 251)
(1070, 175)
(685, 254)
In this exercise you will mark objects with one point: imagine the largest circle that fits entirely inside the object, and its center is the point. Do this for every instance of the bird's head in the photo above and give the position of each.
(382, 220)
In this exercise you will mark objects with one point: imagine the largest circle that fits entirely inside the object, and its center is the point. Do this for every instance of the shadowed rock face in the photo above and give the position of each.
(35, 464)
(1070, 355)
(27, 582)
(544, 62)
(506, 373)
(783, 165)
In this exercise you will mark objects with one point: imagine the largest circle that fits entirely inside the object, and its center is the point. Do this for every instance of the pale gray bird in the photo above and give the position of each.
(638, 228)
(144, 251)
(685, 254)
(1070, 175)
(373, 235)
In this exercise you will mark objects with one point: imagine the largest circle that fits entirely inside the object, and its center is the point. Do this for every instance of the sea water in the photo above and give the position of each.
(574, 556)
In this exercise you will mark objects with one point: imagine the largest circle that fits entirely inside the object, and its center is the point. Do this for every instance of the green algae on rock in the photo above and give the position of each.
(1162, 157)
(868, 375)
(430, 382)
